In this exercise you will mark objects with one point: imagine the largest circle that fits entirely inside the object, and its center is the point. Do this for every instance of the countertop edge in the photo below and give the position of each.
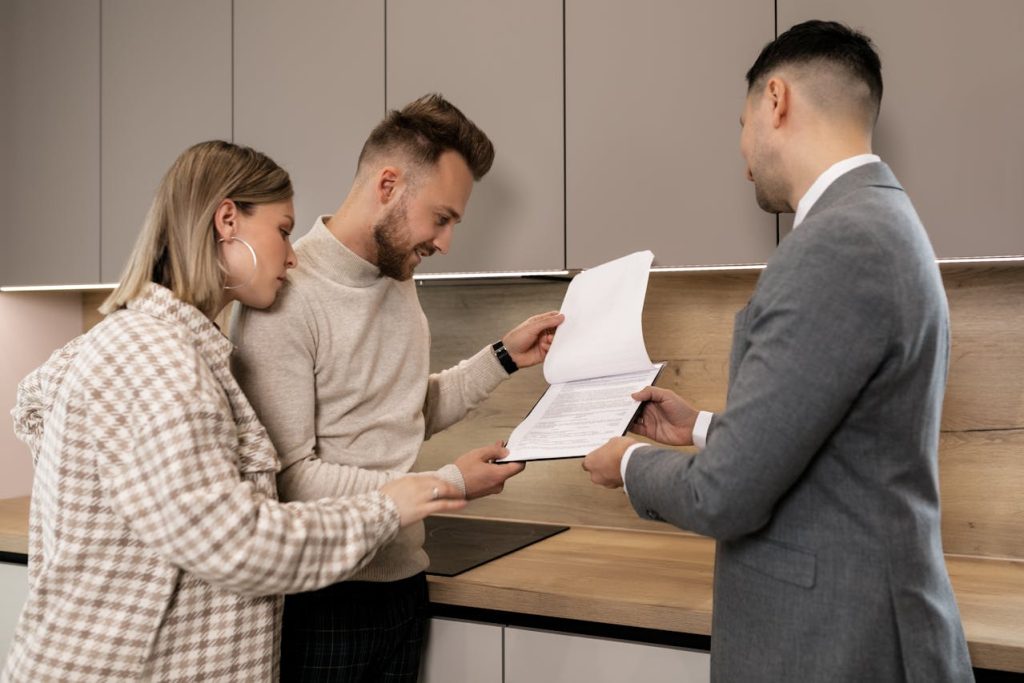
(990, 591)
(448, 591)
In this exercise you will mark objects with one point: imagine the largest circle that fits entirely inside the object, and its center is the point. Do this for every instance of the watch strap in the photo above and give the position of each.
(501, 353)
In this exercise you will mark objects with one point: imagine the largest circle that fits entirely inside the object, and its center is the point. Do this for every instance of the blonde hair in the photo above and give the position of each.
(177, 247)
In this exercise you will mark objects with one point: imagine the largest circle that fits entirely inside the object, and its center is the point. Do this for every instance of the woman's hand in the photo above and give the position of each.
(418, 496)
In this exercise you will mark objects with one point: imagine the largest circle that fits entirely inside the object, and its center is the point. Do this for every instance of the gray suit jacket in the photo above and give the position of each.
(819, 480)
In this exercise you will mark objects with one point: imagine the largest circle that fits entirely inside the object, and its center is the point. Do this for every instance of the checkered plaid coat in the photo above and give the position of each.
(157, 548)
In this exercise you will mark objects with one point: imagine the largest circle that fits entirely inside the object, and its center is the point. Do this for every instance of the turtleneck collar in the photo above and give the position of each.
(329, 257)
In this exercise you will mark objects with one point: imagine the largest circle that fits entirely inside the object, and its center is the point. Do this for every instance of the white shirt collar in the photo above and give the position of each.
(827, 178)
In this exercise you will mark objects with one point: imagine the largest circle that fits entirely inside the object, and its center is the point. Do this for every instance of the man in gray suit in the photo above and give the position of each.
(819, 480)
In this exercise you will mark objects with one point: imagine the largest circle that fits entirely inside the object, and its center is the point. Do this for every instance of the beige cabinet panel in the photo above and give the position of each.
(950, 125)
(532, 656)
(13, 593)
(654, 92)
(166, 86)
(49, 141)
(309, 87)
(501, 64)
(462, 652)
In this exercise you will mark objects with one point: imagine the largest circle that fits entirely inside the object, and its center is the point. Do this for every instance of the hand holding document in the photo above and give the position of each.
(597, 359)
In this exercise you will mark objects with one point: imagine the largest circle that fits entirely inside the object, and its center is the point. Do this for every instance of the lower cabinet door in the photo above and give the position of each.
(462, 652)
(13, 592)
(547, 657)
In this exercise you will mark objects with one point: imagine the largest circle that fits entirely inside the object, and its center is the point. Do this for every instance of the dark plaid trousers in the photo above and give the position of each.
(355, 632)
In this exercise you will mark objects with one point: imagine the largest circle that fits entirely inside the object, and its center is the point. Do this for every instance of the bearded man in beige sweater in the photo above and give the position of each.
(338, 372)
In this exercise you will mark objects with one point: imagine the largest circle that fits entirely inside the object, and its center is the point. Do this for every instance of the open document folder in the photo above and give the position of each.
(596, 361)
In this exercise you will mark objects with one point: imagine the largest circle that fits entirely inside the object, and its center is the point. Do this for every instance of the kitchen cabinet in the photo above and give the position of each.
(309, 88)
(49, 141)
(950, 120)
(166, 85)
(462, 652)
(471, 652)
(13, 593)
(501, 64)
(532, 656)
(654, 92)
(615, 124)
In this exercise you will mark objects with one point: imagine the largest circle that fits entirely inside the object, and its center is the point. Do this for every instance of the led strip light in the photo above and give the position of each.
(442, 277)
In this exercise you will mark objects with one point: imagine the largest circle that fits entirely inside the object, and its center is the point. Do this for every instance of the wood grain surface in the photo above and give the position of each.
(14, 525)
(687, 321)
(664, 581)
(661, 581)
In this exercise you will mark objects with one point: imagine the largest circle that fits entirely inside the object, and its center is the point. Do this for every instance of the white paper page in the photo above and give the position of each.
(574, 418)
(602, 334)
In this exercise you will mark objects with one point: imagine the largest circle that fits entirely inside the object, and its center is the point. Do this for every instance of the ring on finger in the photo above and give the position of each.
(434, 494)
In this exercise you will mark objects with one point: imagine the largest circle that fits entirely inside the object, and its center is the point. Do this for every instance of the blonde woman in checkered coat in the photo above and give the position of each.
(157, 548)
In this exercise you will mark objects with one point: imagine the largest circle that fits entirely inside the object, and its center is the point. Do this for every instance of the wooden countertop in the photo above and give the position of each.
(14, 525)
(661, 581)
(629, 578)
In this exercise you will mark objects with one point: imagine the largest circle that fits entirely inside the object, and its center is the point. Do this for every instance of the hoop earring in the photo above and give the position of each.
(255, 262)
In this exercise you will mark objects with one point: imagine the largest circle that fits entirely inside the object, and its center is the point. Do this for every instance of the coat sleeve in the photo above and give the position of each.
(166, 442)
(36, 395)
(816, 332)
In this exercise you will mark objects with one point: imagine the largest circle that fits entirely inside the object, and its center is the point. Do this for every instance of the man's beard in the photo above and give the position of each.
(771, 199)
(394, 257)
(770, 189)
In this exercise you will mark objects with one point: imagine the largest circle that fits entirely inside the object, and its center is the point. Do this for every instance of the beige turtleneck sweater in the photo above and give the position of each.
(338, 372)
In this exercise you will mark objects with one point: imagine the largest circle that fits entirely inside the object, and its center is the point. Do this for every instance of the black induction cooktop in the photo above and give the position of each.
(457, 544)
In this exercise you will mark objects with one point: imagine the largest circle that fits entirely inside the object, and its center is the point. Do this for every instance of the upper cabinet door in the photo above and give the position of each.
(309, 88)
(654, 92)
(49, 141)
(166, 86)
(501, 64)
(950, 125)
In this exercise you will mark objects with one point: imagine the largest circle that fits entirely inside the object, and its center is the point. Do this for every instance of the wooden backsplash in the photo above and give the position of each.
(688, 322)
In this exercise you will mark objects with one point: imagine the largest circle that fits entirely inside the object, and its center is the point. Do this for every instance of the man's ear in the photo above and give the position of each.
(387, 184)
(225, 219)
(778, 93)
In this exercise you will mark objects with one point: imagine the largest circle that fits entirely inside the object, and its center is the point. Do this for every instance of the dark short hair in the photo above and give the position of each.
(827, 42)
(427, 127)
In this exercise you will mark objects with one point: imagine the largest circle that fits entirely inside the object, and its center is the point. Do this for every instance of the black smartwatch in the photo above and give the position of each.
(501, 353)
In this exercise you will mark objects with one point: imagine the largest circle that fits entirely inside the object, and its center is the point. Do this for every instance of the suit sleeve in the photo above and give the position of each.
(816, 332)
